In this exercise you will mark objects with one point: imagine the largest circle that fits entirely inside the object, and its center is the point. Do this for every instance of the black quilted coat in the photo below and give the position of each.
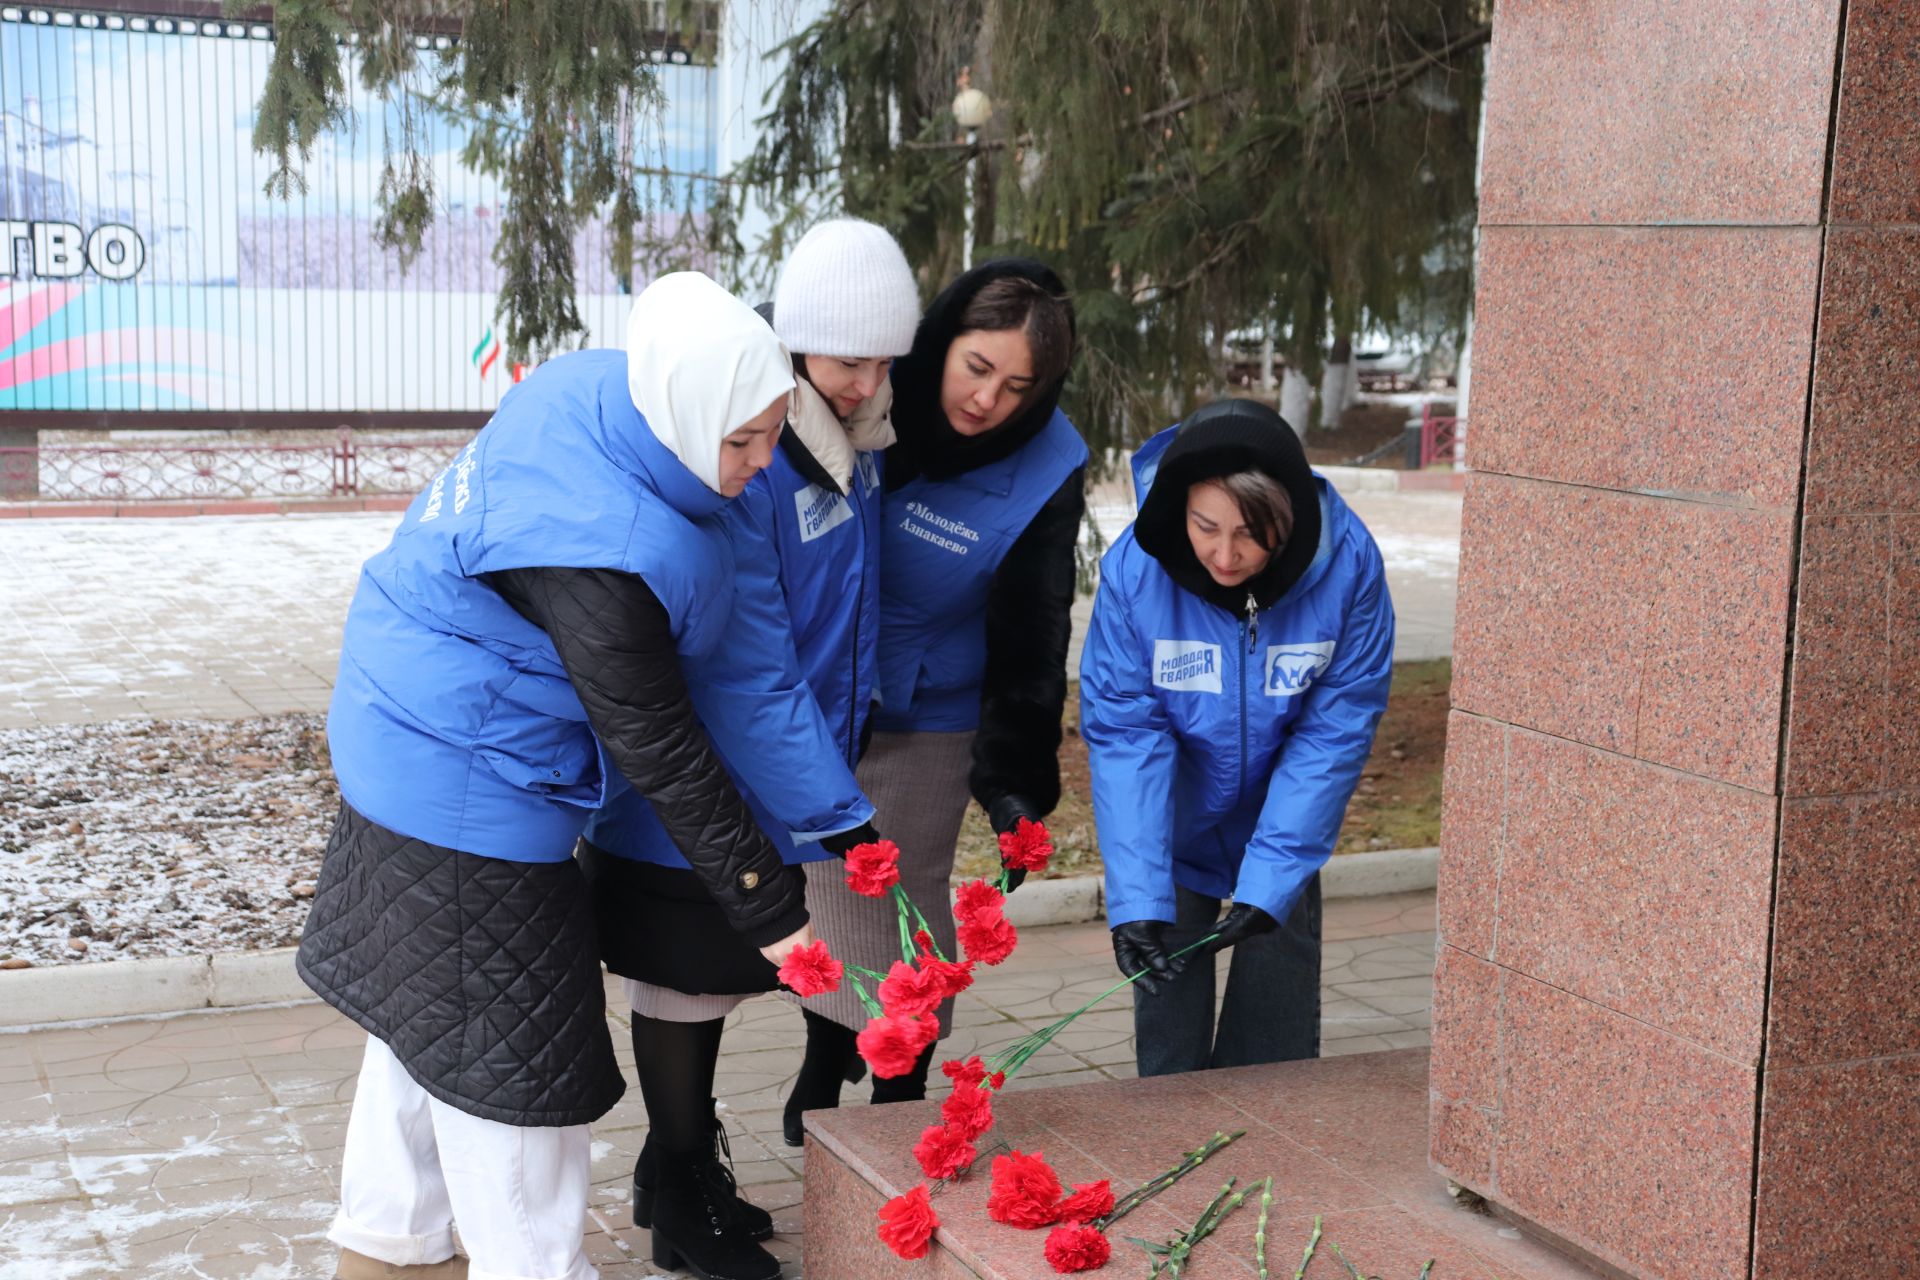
(483, 975)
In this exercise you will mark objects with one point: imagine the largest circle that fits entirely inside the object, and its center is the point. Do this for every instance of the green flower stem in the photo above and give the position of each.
(1172, 1256)
(1260, 1231)
(1313, 1242)
(1015, 1057)
(1160, 1182)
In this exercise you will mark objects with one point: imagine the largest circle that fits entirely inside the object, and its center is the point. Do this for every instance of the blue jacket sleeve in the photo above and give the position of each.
(1132, 754)
(1320, 763)
(757, 707)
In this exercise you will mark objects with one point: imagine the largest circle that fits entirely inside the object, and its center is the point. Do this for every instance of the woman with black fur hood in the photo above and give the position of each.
(985, 490)
(1233, 676)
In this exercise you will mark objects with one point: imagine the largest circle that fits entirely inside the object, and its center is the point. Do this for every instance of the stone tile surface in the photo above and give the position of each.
(1863, 448)
(1654, 359)
(1846, 957)
(1641, 111)
(1837, 738)
(1472, 821)
(1839, 1188)
(1876, 135)
(1647, 627)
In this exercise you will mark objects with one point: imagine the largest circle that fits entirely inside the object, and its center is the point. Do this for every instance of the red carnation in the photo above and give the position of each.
(873, 868)
(977, 899)
(997, 1079)
(1089, 1200)
(1025, 1192)
(988, 941)
(891, 1045)
(968, 1071)
(1027, 847)
(949, 976)
(923, 940)
(810, 971)
(943, 1152)
(968, 1111)
(907, 992)
(907, 1223)
(1077, 1249)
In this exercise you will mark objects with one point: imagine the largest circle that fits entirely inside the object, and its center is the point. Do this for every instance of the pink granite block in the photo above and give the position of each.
(1472, 813)
(841, 1215)
(1630, 1143)
(1644, 626)
(1876, 135)
(1902, 746)
(1642, 111)
(1685, 349)
(1464, 1081)
(1837, 713)
(1863, 447)
(1640, 889)
(1846, 954)
(1839, 1186)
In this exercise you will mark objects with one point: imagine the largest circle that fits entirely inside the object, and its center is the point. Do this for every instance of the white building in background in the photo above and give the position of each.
(145, 271)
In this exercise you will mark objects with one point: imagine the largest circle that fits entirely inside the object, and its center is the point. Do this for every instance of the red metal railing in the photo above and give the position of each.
(1437, 437)
(162, 470)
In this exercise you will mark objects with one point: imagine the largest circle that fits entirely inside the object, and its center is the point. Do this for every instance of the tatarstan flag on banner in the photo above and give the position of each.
(486, 352)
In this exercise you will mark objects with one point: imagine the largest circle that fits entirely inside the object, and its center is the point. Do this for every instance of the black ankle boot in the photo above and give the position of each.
(695, 1225)
(755, 1221)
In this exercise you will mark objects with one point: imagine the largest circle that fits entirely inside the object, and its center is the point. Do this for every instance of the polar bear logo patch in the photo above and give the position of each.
(1292, 668)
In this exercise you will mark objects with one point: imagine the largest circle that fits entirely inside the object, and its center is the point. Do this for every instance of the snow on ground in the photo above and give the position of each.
(139, 838)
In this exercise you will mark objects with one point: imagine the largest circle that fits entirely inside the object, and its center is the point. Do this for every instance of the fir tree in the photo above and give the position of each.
(1299, 167)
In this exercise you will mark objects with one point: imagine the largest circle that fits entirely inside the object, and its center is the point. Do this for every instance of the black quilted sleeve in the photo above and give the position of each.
(1029, 619)
(616, 641)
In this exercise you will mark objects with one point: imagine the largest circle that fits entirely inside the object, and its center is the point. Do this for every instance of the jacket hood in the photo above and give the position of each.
(928, 444)
(700, 365)
(1218, 440)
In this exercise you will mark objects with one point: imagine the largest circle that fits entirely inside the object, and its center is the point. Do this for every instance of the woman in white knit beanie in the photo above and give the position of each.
(805, 538)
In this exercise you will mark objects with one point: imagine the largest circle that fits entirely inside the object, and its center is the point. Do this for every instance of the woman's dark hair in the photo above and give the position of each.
(1264, 505)
(1017, 302)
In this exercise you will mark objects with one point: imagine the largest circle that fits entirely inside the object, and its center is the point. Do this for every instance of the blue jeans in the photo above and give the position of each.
(1272, 1007)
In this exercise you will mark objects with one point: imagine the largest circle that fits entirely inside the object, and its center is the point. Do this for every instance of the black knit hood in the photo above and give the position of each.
(928, 445)
(1218, 440)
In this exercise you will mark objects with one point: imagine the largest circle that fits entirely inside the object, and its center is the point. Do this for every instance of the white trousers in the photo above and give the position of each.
(415, 1166)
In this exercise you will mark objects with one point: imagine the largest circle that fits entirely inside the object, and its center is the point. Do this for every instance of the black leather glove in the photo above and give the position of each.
(1243, 920)
(840, 843)
(1005, 815)
(1140, 945)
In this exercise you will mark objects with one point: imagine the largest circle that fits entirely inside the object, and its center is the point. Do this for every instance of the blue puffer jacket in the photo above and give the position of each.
(785, 695)
(453, 720)
(1226, 742)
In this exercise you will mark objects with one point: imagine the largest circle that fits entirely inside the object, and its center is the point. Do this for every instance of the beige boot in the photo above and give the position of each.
(358, 1266)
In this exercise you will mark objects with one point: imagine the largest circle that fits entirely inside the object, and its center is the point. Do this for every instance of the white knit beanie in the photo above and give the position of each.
(846, 290)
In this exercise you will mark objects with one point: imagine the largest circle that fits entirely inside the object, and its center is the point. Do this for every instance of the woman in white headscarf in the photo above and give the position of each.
(515, 647)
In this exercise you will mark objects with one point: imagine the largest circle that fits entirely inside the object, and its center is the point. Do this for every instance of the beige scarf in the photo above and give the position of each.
(833, 442)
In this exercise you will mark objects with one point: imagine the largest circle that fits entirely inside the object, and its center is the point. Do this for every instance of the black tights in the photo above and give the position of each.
(675, 1061)
(830, 1047)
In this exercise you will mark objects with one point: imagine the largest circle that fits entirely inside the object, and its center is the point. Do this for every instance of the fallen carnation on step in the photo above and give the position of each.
(1077, 1248)
(810, 971)
(1025, 1191)
(1089, 1200)
(907, 1223)
(942, 1152)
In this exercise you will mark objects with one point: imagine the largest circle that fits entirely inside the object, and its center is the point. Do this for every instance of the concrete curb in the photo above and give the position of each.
(187, 984)
(1382, 480)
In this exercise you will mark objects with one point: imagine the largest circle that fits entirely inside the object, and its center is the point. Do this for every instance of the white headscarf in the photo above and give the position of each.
(701, 365)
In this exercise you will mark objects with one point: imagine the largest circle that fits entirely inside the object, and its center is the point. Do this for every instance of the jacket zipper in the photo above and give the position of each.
(859, 607)
(1249, 627)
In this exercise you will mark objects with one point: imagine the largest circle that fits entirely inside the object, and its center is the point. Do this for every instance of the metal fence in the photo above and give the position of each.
(347, 465)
